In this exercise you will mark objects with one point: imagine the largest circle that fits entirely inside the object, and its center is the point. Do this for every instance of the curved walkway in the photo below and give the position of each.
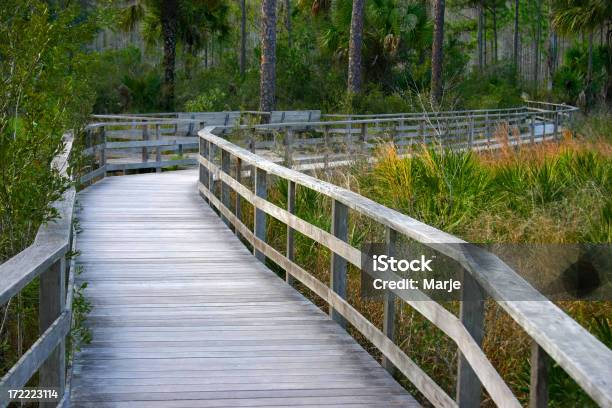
(184, 316)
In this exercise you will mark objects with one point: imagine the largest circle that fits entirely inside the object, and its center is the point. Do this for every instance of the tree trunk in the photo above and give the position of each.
(589, 76)
(242, 37)
(552, 59)
(484, 35)
(355, 42)
(536, 57)
(169, 24)
(288, 21)
(480, 37)
(206, 53)
(494, 13)
(437, 52)
(516, 35)
(267, 70)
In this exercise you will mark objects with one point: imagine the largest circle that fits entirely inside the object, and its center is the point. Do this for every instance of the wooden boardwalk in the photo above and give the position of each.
(185, 316)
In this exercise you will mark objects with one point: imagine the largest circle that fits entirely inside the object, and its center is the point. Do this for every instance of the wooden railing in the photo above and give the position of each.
(555, 335)
(125, 142)
(45, 259)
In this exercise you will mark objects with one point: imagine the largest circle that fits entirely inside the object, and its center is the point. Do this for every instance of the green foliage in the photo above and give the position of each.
(496, 88)
(45, 92)
(457, 192)
(125, 82)
(570, 79)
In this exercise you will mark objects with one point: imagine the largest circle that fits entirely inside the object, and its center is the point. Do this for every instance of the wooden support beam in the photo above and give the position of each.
(261, 190)
(538, 390)
(338, 264)
(469, 388)
(52, 300)
(225, 190)
(389, 299)
(290, 231)
(145, 137)
(158, 149)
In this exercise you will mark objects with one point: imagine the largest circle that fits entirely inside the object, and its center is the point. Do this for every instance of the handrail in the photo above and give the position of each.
(460, 130)
(45, 258)
(555, 334)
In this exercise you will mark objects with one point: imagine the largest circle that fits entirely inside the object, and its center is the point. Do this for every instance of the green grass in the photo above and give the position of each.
(551, 193)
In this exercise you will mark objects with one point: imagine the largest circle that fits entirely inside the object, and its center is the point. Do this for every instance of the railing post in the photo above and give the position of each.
(532, 128)
(556, 125)
(364, 137)
(145, 137)
(349, 135)
(289, 148)
(469, 388)
(52, 300)
(488, 129)
(471, 133)
(189, 133)
(261, 190)
(389, 300)
(326, 146)
(103, 151)
(204, 173)
(158, 150)
(211, 156)
(290, 232)
(538, 390)
(421, 131)
(238, 204)
(225, 189)
(339, 229)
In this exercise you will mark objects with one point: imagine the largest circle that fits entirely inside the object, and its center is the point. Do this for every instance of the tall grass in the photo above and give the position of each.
(548, 193)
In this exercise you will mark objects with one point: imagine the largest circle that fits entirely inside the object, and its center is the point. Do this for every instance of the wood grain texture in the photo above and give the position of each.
(185, 316)
(581, 355)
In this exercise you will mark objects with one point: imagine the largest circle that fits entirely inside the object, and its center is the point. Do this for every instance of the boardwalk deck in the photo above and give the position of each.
(184, 316)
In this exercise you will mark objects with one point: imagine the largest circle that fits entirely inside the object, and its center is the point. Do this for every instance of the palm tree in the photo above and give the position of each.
(242, 37)
(584, 17)
(267, 69)
(177, 20)
(437, 56)
(515, 53)
(355, 43)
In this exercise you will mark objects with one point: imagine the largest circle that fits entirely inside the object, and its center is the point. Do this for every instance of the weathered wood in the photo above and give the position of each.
(238, 178)
(389, 299)
(225, 190)
(52, 298)
(412, 371)
(261, 190)
(543, 322)
(243, 340)
(145, 138)
(471, 312)
(18, 376)
(290, 248)
(338, 264)
(158, 148)
(538, 388)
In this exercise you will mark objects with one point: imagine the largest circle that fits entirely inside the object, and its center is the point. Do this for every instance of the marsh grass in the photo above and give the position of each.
(547, 193)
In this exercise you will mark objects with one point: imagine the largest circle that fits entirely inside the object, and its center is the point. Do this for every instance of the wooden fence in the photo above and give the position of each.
(47, 259)
(556, 337)
(307, 139)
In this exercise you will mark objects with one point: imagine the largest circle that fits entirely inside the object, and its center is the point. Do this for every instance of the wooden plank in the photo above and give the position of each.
(546, 323)
(28, 364)
(538, 388)
(52, 299)
(471, 313)
(208, 315)
(261, 190)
